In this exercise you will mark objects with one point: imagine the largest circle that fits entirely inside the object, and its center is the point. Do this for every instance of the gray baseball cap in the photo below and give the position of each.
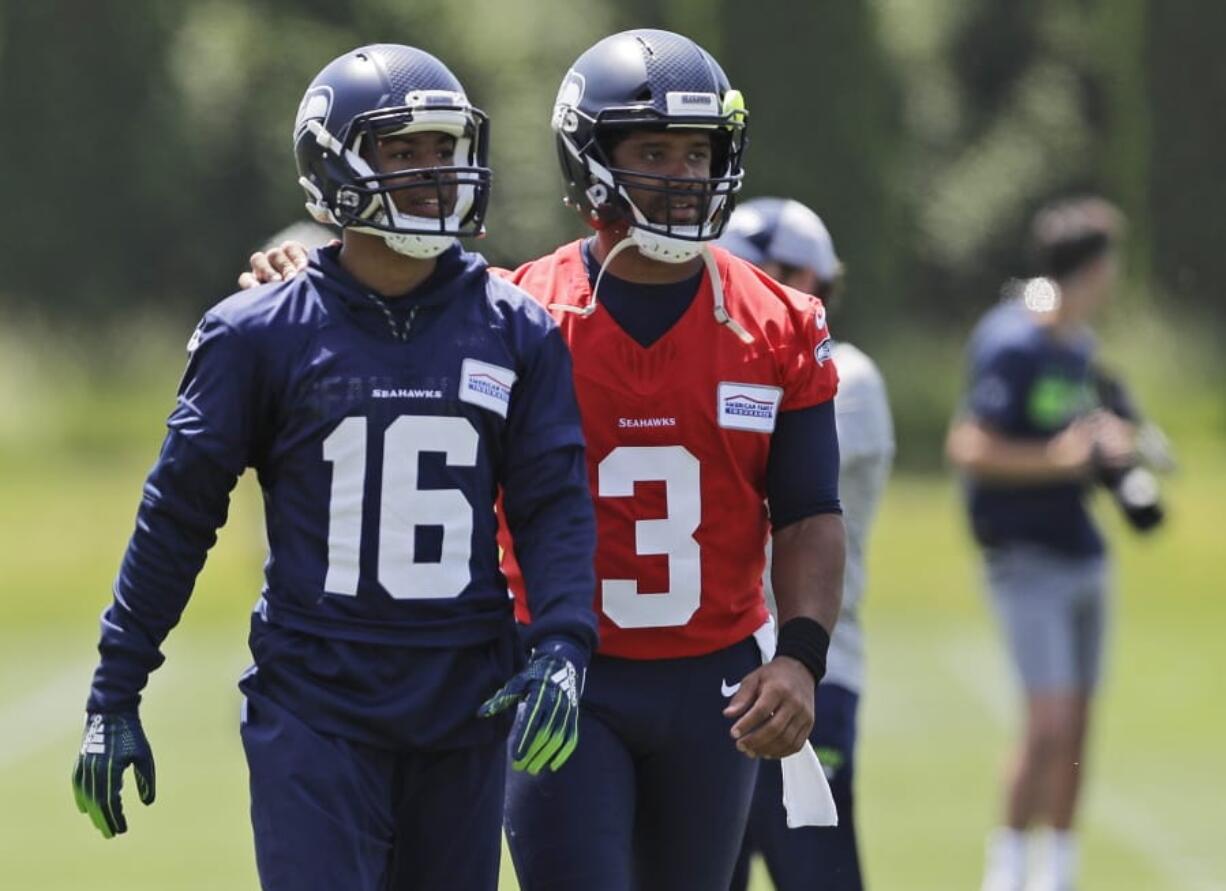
(781, 230)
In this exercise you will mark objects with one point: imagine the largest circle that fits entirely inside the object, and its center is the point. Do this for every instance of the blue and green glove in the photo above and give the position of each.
(110, 744)
(546, 728)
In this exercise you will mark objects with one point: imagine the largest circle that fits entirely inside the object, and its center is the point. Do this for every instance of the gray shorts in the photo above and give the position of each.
(1053, 610)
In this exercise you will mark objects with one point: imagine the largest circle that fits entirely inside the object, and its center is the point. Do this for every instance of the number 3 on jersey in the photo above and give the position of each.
(403, 507)
(671, 535)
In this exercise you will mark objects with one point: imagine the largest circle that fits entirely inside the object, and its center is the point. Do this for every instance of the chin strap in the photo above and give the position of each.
(717, 291)
(584, 311)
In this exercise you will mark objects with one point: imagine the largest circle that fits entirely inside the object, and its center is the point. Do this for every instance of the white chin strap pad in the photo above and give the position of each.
(660, 247)
(420, 247)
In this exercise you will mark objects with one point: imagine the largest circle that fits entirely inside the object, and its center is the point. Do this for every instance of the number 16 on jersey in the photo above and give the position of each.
(403, 507)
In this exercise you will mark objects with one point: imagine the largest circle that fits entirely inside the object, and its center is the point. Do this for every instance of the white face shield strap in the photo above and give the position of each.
(708, 259)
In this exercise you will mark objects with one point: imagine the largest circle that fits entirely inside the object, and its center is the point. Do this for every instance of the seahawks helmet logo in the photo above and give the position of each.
(315, 106)
(570, 94)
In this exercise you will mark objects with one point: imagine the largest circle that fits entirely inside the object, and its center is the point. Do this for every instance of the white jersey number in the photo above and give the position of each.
(671, 535)
(404, 507)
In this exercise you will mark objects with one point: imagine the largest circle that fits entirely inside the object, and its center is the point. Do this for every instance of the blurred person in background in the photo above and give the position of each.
(789, 242)
(1031, 441)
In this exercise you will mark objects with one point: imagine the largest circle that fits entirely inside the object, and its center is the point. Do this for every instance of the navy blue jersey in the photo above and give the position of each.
(382, 433)
(1029, 384)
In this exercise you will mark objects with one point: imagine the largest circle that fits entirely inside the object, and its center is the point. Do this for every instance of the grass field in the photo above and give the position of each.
(936, 721)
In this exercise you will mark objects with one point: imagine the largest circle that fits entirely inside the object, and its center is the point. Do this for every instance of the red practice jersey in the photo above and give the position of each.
(678, 435)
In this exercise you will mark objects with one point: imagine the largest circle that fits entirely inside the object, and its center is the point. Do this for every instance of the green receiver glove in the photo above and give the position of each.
(546, 728)
(110, 744)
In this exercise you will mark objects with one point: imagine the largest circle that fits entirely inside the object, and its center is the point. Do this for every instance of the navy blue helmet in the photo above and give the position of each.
(653, 80)
(378, 91)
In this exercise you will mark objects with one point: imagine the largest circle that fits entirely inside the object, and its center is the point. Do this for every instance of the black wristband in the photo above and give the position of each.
(806, 641)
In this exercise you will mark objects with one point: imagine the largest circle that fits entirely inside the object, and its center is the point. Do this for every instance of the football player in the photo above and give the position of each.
(384, 397)
(790, 243)
(706, 394)
(705, 389)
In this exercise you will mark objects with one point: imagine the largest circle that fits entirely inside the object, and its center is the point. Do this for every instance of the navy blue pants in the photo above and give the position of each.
(809, 858)
(331, 813)
(655, 797)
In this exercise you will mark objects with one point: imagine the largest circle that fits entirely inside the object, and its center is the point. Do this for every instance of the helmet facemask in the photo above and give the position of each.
(370, 201)
(652, 230)
(608, 187)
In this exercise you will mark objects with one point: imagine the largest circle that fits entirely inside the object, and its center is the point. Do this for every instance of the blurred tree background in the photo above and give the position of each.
(146, 144)
(145, 152)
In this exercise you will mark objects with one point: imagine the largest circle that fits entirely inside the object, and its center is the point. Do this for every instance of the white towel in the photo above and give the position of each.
(806, 793)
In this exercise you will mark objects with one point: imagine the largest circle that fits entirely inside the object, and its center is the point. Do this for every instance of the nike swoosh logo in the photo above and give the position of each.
(728, 690)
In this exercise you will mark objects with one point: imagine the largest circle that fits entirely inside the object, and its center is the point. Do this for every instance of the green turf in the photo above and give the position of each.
(941, 706)
(935, 726)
